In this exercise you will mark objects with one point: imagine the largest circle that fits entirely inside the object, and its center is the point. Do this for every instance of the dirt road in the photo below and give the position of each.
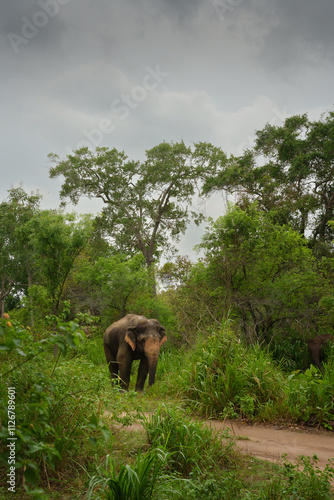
(270, 442)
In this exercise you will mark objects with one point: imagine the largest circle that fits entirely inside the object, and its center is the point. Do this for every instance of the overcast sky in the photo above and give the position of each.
(132, 73)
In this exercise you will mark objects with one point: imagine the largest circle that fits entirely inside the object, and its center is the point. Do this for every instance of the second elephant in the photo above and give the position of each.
(315, 347)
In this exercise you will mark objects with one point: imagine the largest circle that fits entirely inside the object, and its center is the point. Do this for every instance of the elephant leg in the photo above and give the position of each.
(124, 365)
(112, 363)
(142, 374)
(316, 355)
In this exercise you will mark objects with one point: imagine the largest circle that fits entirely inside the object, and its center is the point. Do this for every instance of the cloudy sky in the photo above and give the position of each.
(132, 73)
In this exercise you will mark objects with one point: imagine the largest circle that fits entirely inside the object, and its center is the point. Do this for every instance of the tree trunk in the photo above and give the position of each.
(151, 277)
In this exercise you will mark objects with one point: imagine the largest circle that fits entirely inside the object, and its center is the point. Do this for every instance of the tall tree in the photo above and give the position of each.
(290, 170)
(110, 286)
(15, 262)
(146, 203)
(57, 240)
(264, 271)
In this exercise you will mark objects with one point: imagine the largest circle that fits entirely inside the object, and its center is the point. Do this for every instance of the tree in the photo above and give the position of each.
(146, 203)
(57, 240)
(290, 171)
(15, 259)
(173, 274)
(110, 285)
(263, 271)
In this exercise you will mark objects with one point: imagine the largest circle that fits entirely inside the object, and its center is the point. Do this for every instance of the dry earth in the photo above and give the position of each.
(270, 442)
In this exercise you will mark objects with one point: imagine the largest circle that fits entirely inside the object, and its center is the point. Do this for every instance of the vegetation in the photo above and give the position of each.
(146, 203)
(237, 320)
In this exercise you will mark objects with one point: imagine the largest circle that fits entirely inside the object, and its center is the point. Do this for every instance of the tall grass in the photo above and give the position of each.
(187, 460)
(131, 482)
(224, 378)
(303, 480)
(191, 445)
(310, 396)
(228, 379)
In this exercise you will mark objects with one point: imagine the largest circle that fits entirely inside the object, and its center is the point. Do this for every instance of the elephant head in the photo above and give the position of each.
(315, 347)
(145, 337)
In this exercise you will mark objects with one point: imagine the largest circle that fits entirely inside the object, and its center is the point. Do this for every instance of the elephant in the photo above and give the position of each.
(133, 337)
(315, 347)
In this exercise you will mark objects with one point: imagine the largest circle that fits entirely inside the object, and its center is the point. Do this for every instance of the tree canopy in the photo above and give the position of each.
(146, 203)
(15, 265)
(290, 171)
(57, 240)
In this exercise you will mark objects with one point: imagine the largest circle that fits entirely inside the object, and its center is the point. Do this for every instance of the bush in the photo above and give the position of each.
(191, 445)
(303, 481)
(223, 378)
(46, 404)
(131, 483)
(228, 379)
(290, 352)
(310, 396)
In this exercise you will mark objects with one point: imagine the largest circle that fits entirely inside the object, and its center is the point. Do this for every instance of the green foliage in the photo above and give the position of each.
(130, 483)
(34, 307)
(290, 352)
(173, 274)
(310, 395)
(228, 379)
(112, 285)
(57, 241)
(156, 308)
(146, 204)
(289, 172)
(264, 271)
(196, 305)
(54, 408)
(15, 258)
(224, 378)
(191, 445)
(303, 480)
(258, 272)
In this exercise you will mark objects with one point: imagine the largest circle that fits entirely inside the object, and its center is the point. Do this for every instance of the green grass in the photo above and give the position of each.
(135, 482)
(71, 448)
(182, 458)
(190, 444)
(221, 377)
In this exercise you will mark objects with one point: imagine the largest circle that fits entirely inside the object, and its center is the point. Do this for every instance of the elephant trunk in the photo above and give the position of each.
(152, 349)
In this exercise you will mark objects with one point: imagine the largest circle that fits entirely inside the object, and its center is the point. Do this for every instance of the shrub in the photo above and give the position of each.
(303, 481)
(223, 378)
(191, 445)
(56, 412)
(228, 379)
(130, 483)
(310, 396)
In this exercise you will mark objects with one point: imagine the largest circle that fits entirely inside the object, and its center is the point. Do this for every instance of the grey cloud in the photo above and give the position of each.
(300, 34)
(227, 74)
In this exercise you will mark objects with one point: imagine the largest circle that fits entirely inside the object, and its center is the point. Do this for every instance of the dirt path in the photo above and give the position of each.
(270, 442)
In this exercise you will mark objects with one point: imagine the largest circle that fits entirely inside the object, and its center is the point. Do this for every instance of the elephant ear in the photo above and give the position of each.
(160, 330)
(163, 336)
(131, 339)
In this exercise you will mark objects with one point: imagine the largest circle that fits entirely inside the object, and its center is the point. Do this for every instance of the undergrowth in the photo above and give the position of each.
(224, 378)
(188, 460)
(68, 419)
